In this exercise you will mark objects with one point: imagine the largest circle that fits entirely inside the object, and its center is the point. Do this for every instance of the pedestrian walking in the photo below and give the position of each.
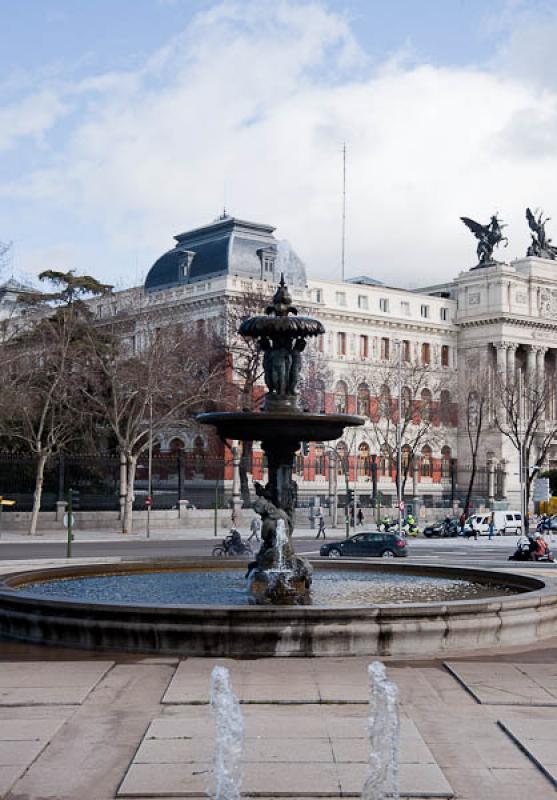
(360, 517)
(491, 527)
(462, 523)
(255, 527)
(321, 524)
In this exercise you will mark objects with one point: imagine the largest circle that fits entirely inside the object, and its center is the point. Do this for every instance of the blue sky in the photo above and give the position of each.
(123, 122)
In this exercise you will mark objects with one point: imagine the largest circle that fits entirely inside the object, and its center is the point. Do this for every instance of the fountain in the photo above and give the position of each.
(384, 735)
(278, 575)
(229, 739)
(197, 606)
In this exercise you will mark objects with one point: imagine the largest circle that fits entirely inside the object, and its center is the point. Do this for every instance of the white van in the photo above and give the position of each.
(509, 522)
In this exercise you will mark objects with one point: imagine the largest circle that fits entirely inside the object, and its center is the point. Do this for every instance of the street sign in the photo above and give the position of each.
(148, 502)
(66, 520)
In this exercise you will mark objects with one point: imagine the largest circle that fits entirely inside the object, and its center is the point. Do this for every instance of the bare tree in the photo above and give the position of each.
(473, 402)
(377, 393)
(173, 375)
(37, 384)
(522, 414)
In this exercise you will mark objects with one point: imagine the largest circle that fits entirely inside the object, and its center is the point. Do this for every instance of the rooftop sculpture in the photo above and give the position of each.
(541, 244)
(489, 237)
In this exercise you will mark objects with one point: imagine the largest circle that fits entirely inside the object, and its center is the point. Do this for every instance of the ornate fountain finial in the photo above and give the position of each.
(282, 302)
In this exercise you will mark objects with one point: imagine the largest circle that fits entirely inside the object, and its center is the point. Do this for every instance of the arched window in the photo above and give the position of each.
(385, 402)
(384, 462)
(363, 400)
(446, 462)
(406, 402)
(364, 463)
(342, 458)
(427, 468)
(445, 355)
(176, 446)
(445, 407)
(406, 457)
(341, 397)
(426, 405)
(319, 459)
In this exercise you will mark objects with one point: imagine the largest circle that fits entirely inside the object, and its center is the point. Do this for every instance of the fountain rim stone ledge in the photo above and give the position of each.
(430, 630)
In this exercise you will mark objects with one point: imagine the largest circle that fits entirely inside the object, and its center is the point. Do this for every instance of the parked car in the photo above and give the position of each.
(443, 528)
(384, 545)
(506, 522)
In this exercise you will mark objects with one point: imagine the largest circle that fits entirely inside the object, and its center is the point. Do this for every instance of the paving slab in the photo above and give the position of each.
(51, 683)
(325, 744)
(21, 742)
(89, 755)
(504, 684)
(538, 740)
(295, 681)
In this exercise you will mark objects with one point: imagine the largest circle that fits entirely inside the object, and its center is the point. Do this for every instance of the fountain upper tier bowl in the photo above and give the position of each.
(289, 424)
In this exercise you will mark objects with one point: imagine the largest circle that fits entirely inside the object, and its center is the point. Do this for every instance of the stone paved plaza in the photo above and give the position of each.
(82, 725)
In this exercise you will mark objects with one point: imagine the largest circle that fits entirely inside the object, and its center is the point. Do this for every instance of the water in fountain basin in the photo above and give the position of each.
(229, 737)
(384, 734)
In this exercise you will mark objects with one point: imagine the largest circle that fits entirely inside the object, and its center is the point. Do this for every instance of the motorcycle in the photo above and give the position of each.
(233, 545)
(526, 551)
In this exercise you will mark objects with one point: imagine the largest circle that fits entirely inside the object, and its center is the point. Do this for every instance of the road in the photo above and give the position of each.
(424, 551)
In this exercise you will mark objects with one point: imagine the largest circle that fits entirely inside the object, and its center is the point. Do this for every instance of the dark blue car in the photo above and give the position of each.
(383, 545)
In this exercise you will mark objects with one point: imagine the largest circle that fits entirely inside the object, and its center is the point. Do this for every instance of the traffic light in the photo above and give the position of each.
(305, 448)
(350, 497)
(74, 498)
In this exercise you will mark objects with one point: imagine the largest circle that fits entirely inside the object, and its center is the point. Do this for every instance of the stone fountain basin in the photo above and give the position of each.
(293, 425)
(419, 630)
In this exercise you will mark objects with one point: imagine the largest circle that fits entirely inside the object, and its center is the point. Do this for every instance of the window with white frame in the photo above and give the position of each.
(444, 314)
(424, 311)
(384, 304)
(405, 308)
(363, 302)
(340, 298)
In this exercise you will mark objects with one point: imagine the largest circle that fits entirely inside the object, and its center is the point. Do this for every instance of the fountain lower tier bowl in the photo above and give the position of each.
(338, 625)
(296, 426)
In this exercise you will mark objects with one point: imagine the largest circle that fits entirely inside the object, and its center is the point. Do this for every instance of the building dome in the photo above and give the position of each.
(227, 246)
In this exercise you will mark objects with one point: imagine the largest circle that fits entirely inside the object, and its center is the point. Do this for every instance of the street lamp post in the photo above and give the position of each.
(399, 438)
(150, 470)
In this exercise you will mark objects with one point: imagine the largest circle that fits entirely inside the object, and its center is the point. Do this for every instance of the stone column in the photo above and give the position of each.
(540, 366)
(501, 352)
(501, 379)
(491, 481)
(530, 362)
(503, 465)
(511, 362)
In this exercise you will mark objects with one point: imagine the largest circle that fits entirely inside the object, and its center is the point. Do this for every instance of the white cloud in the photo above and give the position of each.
(262, 103)
(33, 116)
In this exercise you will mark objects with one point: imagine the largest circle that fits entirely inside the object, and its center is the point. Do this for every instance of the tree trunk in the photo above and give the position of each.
(38, 493)
(123, 483)
(127, 526)
(470, 486)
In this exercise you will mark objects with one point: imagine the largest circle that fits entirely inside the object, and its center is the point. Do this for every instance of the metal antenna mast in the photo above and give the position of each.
(342, 252)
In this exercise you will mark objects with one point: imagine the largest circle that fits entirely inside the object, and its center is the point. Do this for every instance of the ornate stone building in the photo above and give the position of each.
(429, 347)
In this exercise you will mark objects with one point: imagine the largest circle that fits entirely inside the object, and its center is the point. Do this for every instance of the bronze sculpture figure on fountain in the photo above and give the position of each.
(278, 575)
(489, 237)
